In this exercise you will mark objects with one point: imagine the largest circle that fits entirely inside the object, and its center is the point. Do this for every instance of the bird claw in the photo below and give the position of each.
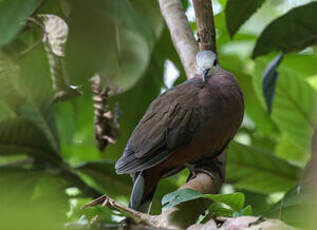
(209, 166)
(194, 173)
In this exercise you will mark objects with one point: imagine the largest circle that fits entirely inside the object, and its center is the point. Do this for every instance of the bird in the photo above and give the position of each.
(186, 124)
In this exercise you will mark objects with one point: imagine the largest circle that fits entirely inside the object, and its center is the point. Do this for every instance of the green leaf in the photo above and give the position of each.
(38, 107)
(295, 208)
(304, 64)
(13, 15)
(28, 185)
(105, 177)
(75, 124)
(291, 198)
(75, 118)
(51, 7)
(102, 41)
(10, 95)
(185, 4)
(269, 80)
(293, 31)
(294, 106)
(20, 78)
(288, 150)
(255, 170)
(21, 136)
(233, 200)
(238, 12)
(174, 198)
(263, 122)
(150, 10)
(218, 210)
(257, 201)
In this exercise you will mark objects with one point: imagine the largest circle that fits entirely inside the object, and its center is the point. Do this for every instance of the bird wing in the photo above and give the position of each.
(167, 124)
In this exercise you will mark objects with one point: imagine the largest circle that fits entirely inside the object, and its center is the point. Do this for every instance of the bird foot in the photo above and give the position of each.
(209, 166)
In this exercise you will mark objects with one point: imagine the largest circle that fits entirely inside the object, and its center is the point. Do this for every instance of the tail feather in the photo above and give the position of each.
(137, 200)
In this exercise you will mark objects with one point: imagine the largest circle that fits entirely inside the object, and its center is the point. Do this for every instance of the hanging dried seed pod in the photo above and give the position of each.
(105, 122)
(55, 32)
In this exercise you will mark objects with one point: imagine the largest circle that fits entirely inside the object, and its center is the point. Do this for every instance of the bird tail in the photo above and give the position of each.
(137, 200)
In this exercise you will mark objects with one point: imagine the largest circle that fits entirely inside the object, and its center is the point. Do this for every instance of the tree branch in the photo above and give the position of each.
(143, 221)
(205, 24)
(136, 216)
(185, 214)
(181, 34)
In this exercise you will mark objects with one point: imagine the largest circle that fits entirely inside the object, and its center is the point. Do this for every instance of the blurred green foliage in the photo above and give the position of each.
(48, 150)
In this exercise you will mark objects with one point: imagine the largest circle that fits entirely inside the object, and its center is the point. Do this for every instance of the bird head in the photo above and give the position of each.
(207, 64)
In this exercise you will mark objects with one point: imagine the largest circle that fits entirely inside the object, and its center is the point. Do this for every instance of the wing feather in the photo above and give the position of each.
(163, 128)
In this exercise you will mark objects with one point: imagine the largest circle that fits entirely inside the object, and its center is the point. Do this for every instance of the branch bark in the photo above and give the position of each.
(186, 46)
(186, 214)
(205, 24)
(181, 34)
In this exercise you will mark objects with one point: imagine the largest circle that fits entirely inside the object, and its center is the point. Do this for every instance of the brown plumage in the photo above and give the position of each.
(195, 120)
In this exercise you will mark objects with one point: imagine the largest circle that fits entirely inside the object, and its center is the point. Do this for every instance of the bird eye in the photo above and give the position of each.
(216, 62)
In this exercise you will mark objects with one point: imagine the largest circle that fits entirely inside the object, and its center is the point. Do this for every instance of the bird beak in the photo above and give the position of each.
(205, 73)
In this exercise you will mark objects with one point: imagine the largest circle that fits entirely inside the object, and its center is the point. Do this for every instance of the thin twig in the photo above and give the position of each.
(137, 217)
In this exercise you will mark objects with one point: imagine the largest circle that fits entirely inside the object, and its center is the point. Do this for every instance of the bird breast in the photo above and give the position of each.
(221, 110)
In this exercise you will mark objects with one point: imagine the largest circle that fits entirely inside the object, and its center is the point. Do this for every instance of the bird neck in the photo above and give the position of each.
(213, 70)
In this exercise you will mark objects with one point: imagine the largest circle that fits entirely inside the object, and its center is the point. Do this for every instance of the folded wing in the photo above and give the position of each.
(168, 123)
